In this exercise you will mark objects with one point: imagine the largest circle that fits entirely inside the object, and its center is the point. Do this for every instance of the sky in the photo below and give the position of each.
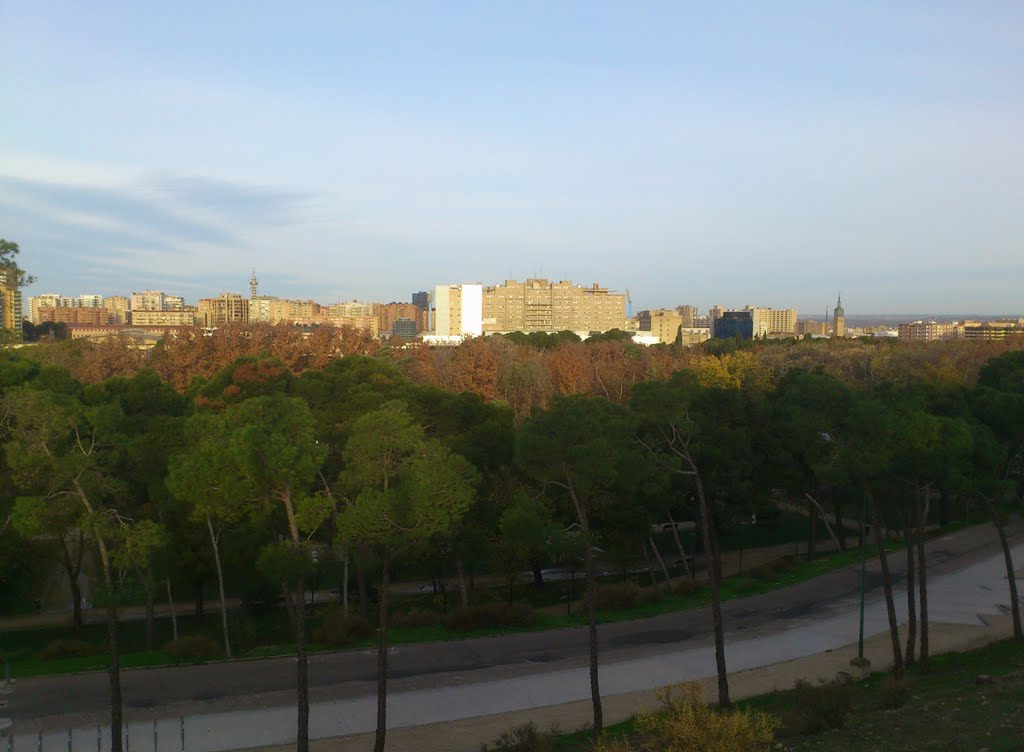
(722, 152)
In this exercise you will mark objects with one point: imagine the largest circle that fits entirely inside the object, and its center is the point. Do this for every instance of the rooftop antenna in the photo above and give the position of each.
(253, 283)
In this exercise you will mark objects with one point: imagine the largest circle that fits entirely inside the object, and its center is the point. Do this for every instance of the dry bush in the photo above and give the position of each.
(524, 738)
(687, 723)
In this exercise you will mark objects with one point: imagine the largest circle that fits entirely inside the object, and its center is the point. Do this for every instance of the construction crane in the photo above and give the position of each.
(629, 303)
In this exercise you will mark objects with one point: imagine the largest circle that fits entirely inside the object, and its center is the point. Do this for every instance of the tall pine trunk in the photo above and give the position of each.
(714, 577)
(1011, 579)
(595, 687)
(922, 577)
(890, 604)
(908, 541)
(679, 545)
(76, 589)
(301, 669)
(460, 575)
(382, 663)
(812, 531)
(837, 510)
(150, 608)
(214, 541)
(174, 612)
(114, 671)
(661, 561)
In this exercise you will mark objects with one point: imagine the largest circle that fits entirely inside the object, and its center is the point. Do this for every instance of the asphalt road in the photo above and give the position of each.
(55, 701)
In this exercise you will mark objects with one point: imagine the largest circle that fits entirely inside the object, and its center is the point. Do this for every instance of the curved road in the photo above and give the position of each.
(58, 702)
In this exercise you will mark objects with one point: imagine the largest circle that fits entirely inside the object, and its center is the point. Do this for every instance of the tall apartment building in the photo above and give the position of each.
(538, 305)
(301, 312)
(738, 324)
(389, 313)
(148, 300)
(773, 321)
(354, 314)
(663, 323)
(118, 309)
(173, 302)
(10, 302)
(812, 327)
(421, 299)
(36, 302)
(458, 310)
(259, 308)
(992, 330)
(73, 315)
(668, 324)
(766, 322)
(185, 316)
(228, 308)
(929, 331)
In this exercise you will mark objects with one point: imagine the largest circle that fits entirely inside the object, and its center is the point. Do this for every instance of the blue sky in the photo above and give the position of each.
(703, 153)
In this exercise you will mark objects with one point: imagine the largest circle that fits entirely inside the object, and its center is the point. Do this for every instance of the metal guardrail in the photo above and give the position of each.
(146, 736)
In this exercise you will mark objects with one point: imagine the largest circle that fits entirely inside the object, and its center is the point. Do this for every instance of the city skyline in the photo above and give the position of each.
(736, 152)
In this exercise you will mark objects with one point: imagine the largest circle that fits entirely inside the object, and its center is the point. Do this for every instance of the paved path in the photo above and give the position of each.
(251, 703)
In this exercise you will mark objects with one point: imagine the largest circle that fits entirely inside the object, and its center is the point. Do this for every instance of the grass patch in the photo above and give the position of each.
(945, 710)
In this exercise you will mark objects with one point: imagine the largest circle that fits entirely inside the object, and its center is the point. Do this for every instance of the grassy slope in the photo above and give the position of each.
(946, 711)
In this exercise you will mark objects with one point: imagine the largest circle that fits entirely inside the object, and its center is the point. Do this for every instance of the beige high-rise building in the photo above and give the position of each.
(118, 309)
(10, 302)
(538, 305)
(775, 322)
(929, 331)
(36, 302)
(814, 328)
(226, 309)
(302, 312)
(259, 308)
(148, 300)
(768, 322)
(458, 311)
(389, 313)
(354, 314)
(663, 323)
(185, 316)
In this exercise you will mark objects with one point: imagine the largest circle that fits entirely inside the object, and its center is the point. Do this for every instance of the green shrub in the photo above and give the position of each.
(491, 616)
(192, 648)
(820, 706)
(524, 738)
(68, 649)
(339, 630)
(416, 617)
(893, 693)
